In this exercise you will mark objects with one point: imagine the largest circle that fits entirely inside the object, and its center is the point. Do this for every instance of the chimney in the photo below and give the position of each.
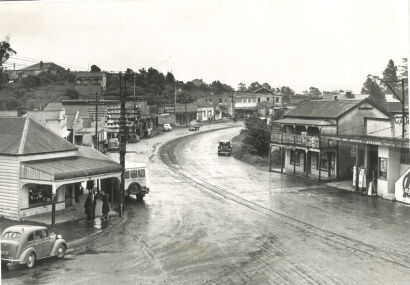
(41, 64)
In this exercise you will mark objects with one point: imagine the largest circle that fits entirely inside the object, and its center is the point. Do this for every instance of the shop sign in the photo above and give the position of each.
(170, 109)
(368, 141)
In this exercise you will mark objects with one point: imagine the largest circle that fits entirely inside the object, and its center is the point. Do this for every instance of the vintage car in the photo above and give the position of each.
(224, 147)
(193, 126)
(167, 127)
(136, 179)
(113, 144)
(24, 244)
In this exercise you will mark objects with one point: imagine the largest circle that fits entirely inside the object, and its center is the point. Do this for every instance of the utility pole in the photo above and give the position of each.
(232, 107)
(402, 101)
(122, 143)
(186, 119)
(96, 121)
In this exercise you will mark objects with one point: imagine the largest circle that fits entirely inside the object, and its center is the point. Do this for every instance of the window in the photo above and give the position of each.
(11, 235)
(30, 237)
(45, 233)
(382, 168)
(404, 156)
(39, 195)
(127, 175)
(267, 99)
(323, 161)
(38, 234)
(134, 173)
(277, 100)
(220, 100)
(259, 99)
(141, 173)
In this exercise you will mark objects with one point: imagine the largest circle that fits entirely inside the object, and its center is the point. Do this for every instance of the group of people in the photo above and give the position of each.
(91, 204)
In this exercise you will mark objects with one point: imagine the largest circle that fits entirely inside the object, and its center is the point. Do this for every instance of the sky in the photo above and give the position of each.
(329, 44)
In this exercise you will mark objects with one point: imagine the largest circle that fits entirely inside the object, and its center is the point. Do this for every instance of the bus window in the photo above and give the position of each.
(127, 175)
(141, 172)
(134, 174)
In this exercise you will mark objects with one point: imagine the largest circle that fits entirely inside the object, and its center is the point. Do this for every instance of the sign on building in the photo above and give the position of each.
(170, 109)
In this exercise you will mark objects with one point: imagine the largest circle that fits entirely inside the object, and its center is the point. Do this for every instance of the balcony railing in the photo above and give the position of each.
(297, 139)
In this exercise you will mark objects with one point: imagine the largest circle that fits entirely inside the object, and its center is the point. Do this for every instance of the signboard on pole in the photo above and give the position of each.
(170, 109)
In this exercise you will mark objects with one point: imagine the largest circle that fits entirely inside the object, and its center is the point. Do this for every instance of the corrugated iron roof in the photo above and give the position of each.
(73, 167)
(311, 122)
(326, 109)
(24, 135)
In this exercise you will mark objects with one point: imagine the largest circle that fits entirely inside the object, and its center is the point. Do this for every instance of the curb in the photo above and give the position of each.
(73, 244)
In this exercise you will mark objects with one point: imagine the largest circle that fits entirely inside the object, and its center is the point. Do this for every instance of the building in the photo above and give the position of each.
(90, 84)
(179, 114)
(308, 140)
(55, 120)
(41, 172)
(246, 103)
(34, 70)
(223, 103)
(205, 110)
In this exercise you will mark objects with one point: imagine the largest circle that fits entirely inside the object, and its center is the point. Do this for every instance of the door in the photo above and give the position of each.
(47, 243)
(36, 240)
(332, 161)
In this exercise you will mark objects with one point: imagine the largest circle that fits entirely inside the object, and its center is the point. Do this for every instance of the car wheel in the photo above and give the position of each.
(31, 260)
(61, 251)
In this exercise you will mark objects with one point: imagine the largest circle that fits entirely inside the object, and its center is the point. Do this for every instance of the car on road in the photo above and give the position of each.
(133, 138)
(113, 144)
(224, 147)
(193, 126)
(25, 244)
(136, 179)
(167, 128)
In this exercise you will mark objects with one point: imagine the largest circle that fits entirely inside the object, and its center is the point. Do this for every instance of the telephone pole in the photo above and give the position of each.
(96, 121)
(123, 149)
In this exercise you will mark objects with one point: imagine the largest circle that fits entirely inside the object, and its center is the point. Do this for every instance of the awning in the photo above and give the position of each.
(304, 122)
(67, 168)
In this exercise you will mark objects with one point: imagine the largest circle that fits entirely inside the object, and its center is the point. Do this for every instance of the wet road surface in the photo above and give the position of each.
(216, 220)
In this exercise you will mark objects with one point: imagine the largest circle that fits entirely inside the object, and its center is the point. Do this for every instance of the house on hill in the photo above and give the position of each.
(90, 84)
(35, 69)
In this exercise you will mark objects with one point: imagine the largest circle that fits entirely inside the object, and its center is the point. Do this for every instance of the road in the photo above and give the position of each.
(216, 220)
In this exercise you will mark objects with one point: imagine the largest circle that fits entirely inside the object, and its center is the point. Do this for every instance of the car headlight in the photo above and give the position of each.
(59, 237)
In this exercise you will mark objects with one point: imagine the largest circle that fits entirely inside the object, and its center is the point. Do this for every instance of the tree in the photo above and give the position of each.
(5, 52)
(371, 87)
(403, 69)
(254, 86)
(390, 74)
(95, 68)
(241, 87)
(313, 91)
(266, 86)
(287, 92)
(257, 135)
(170, 77)
(219, 87)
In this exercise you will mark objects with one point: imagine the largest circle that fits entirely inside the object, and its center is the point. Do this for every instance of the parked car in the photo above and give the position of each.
(193, 126)
(136, 179)
(167, 127)
(133, 138)
(113, 144)
(224, 147)
(25, 244)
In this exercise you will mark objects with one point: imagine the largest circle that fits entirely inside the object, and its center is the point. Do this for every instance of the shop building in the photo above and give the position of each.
(41, 172)
(305, 141)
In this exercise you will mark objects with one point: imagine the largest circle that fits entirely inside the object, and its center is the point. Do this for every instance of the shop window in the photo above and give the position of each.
(382, 168)
(127, 175)
(323, 161)
(39, 195)
(404, 156)
(314, 161)
(294, 157)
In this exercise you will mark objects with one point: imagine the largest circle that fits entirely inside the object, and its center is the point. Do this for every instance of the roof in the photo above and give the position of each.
(395, 107)
(202, 103)
(24, 135)
(85, 74)
(19, 228)
(70, 167)
(326, 109)
(44, 116)
(311, 122)
(265, 104)
(90, 152)
(70, 121)
(262, 90)
(46, 65)
(131, 164)
(55, 106)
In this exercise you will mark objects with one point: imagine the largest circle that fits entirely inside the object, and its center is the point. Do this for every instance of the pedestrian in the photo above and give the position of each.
(88, 205)
(93, 204)
(105, 205)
